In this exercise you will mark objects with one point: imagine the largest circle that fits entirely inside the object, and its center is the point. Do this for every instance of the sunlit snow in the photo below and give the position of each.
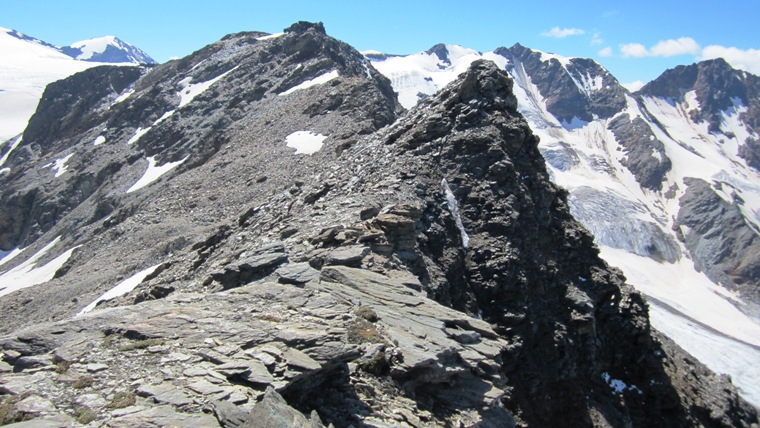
(451, 202)
(121, 289)
(305, 142)
(154, 172)
(99, 140)
(139, 132)
(94, 46)
(271, 36)
(165, 116)
(60, 166)
(6, 256)
(323, 78)
(123, 96)
(191, 90)
(29, 273)
(13, 146)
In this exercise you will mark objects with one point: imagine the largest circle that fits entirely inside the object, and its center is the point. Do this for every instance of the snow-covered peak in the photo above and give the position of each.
(95, 46)
(107, 49)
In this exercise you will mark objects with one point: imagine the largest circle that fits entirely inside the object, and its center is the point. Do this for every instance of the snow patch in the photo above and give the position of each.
(121, 289)
(451, 201)
(6, 256)
(100, 140)
(60, 166)
(154, 172)
(305, 142)
(324, 78)
(139, 132)
(28, 273)
(618, 386)
(123, 96)
(14, 144)
(165, 116)
(191, 90)
(271, 36)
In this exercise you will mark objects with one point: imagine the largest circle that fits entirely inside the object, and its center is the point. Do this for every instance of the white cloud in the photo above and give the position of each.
(633, 86)
(664, 48)
(636, 50)
(560, 33)
(606, 52)
(596, 40)
(673, 47)
(747, 60)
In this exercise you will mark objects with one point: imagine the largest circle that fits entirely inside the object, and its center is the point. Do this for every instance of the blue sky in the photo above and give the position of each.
(634, 40)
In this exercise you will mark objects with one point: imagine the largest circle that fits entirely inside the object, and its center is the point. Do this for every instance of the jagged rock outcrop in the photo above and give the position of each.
(427, 273)
(645, 155)
(722, 244)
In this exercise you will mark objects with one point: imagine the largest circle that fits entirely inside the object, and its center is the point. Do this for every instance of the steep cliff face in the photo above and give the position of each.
(414, 270)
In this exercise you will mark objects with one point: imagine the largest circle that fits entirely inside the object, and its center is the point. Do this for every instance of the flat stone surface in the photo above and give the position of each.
(298, 359)
(297, 273)
(91, 401)
(165, 393)
(202, 386)
(94, 368)
(165, 416)
(58, 421)
(35, 405)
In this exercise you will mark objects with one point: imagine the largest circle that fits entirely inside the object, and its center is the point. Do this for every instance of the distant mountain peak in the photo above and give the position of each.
(107, 49)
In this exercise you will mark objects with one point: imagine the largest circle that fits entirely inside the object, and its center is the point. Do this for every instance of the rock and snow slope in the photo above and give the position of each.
(666, 179)
(414, 269)
(29, 65)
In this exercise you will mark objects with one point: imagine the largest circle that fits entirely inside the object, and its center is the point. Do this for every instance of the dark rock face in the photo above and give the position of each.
(645, 155)
(418, 270)
(719, 239)
(70, 107)
(599, 95)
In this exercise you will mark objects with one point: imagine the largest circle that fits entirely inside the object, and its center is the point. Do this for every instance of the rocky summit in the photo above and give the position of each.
(259, 235)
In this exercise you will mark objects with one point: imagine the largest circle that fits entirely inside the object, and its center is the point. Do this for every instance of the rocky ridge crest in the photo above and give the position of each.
(427, 273)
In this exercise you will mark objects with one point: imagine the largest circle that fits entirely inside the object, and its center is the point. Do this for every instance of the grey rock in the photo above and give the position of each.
(296, 273)
(721, 243)
(164, 416)
(96, 367)
(347, 256)
(35, 405)
(91, 401)
(204, 387)
(58, 421)
(301, 361)
(229, 415)
(250, 370)
(165, 393)
(273, 411)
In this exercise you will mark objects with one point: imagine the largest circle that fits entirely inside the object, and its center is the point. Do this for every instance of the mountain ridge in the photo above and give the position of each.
(350, 280)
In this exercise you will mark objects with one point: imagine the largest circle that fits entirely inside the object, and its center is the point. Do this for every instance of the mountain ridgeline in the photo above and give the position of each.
(259, 234)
